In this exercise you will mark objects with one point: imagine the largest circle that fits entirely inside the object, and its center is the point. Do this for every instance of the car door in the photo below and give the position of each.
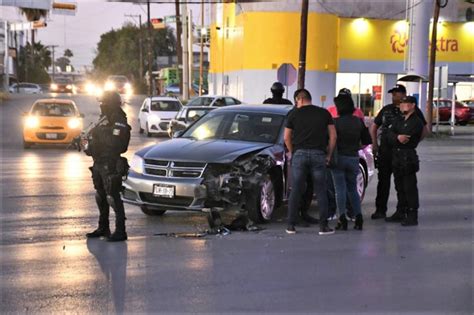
(143, 115)
(444, 111)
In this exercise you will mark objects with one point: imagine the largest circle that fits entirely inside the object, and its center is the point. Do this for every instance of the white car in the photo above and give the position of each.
(156, 114)
(25, 88)
(214, 100)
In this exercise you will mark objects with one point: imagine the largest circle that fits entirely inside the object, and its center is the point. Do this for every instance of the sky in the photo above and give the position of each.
(81, 32)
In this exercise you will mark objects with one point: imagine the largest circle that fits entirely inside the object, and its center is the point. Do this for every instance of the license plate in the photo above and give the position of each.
(51, 136)
(166, 191)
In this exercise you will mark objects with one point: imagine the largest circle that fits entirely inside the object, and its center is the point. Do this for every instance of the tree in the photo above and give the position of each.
(118, 52)
(64, 61)
(33, 62)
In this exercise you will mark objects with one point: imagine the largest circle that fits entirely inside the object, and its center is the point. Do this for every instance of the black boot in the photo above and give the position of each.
(102, 230)
(119, 234)
(411, 218)
(342, 223)
(378, 215)
(397, 217)
(359, 222)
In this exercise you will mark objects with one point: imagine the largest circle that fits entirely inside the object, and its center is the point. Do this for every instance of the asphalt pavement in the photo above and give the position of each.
(48, 266)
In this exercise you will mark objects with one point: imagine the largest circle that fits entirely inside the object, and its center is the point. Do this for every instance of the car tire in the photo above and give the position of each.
(147, 131)
(27, 145)
(152, 212)
(361, 181)
(260, 206)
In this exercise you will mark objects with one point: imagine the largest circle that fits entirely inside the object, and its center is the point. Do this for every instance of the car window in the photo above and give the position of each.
(53, 110)
(165, 106)
(229, 101)
(253, 127)
(201, 101)
(195, 114)
(219, 102)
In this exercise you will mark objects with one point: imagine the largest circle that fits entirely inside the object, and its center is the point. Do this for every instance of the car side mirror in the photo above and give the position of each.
(145, 110)
(178, 134)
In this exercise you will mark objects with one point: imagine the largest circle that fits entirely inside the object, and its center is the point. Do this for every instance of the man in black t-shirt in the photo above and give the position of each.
(383, 152)
(306, 136)
(277, 90)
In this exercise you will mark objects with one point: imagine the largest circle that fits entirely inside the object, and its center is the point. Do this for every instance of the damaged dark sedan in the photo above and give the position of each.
(232, 158)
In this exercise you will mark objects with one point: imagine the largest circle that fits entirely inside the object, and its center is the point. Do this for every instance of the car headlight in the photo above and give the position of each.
(31, 122)
(54, 86)
(128, 86)
(69, 86)
(74, 123)
(90, 88)
(136, 164)
(109, 86)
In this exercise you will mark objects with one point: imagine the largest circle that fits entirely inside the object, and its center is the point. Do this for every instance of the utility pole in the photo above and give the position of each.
(179, 47)
(150, 75)
(191, 50)
(434, 34)
(185, 82)
(303, 38)
(54, 60)
(140, 41)
(201, 52)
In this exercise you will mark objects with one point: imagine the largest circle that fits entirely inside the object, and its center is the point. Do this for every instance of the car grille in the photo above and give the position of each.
(176, 201)
(164, 125)
(173, 169)
(60, 136)
(51, 128)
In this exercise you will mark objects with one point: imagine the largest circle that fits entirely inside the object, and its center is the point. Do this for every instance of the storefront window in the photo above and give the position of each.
(365, 87)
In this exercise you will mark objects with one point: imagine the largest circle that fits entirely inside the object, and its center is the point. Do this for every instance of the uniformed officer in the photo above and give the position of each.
(404, 135)
(105, 144)
(277, 90)
(383, 153)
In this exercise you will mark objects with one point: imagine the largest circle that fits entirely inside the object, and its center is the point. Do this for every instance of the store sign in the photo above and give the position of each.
(399, 41)
(377, 92)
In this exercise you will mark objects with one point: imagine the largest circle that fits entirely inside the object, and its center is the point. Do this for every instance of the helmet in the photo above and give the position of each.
(277, 87)
(110, 99)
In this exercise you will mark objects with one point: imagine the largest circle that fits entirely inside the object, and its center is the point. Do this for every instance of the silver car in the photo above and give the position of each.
(232, 158)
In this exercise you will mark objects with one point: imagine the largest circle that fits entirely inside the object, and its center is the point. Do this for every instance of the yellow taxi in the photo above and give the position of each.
(52, 121)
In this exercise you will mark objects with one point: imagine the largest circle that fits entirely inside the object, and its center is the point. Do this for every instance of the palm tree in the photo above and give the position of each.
(33, 15)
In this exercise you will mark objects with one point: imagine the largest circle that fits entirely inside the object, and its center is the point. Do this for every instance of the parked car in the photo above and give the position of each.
(186, 116)
(62, 85)
(470, 104)
(462, 112)
(119, 83)
(26, 88)
(233, 157)
(214, 100)
(156, 113)
(51, 121)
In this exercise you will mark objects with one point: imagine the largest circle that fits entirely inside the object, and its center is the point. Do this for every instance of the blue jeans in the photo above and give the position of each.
(304, 163)
(345, 181)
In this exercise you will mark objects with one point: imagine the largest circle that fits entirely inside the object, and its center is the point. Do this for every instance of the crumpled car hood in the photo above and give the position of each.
(209, 151)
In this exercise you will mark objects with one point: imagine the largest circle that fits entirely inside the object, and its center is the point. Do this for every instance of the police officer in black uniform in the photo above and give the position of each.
(383, 153)
(404, 135)
(105, 144)
(277, 90)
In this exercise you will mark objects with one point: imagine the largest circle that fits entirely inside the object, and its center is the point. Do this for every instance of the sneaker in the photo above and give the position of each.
(326, 230)
(291, 229)
(396, 217)
(378, 215)
(333, 217)
(350, 217)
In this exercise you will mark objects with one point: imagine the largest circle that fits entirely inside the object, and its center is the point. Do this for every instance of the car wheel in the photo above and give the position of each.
(152, 212)
(463, 123)
(27, 145)
(147, 130)
(140, 126)
(260, 206)
(361, 182)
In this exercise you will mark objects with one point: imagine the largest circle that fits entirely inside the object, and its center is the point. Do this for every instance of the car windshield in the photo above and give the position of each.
(53, 109)
(63, 81)
(469, 103)
(195, 114)
(201, 101)
(250, 126)
(165, 106)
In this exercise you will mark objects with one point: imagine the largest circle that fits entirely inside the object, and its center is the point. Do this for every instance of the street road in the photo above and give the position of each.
(48, 266)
